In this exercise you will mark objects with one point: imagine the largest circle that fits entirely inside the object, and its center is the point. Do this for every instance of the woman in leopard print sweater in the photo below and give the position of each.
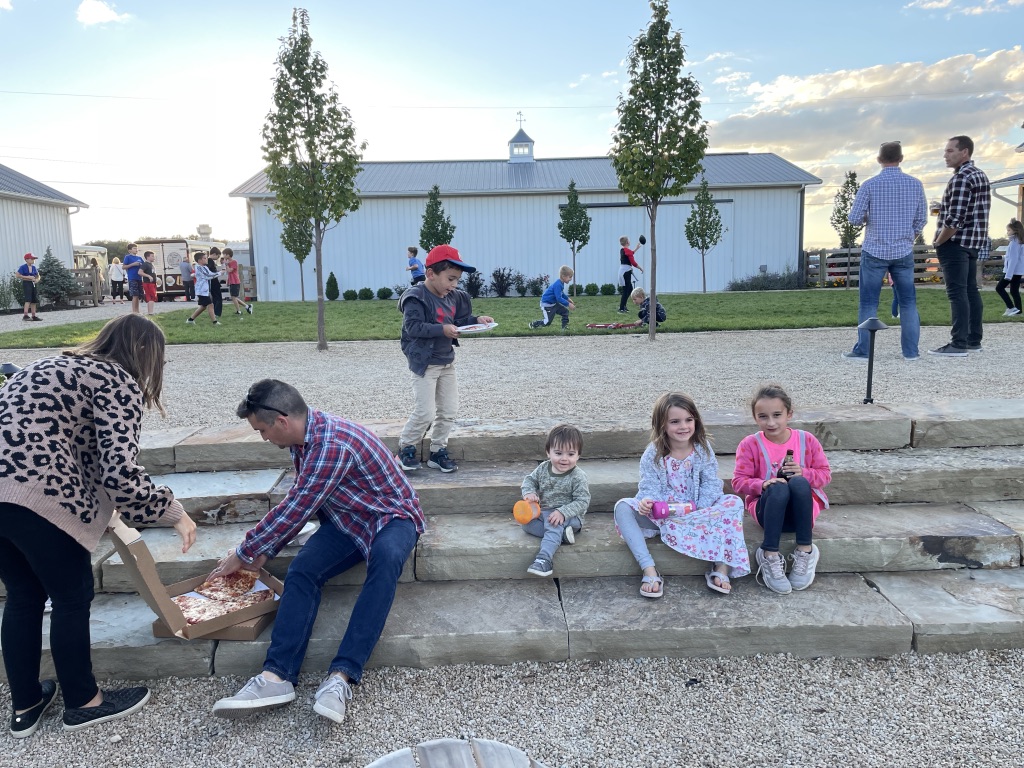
(69, 431)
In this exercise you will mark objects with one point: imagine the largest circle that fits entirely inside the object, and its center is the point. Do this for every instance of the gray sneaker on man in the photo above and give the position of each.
(331, 697)
(772, 572)
(258, 695)
(801, 576)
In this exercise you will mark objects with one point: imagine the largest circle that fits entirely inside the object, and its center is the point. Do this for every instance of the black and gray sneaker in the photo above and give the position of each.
(441, 460)
(248, 308)
(948, 350)
(407, 459)
(568, 535)
(116, 704)
(27, 723)
(542, 566)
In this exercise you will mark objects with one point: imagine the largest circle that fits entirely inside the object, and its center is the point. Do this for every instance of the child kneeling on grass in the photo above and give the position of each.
(554, 301)
(641, 299)
(562, 491)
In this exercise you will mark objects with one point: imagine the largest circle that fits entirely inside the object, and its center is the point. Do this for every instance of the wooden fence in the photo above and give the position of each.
(842, 267)
(90, 288)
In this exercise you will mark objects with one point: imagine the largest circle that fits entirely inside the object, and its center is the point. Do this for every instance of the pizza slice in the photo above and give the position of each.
(199, 609)
(228, 587)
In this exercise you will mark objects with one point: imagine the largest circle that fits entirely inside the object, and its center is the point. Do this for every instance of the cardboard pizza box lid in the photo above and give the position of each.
(140, 564)
(245, 630)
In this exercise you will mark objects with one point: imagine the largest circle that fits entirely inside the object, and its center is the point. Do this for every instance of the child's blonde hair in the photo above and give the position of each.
(623, 241)
(565, 273)
(638, 293)
(659, 423)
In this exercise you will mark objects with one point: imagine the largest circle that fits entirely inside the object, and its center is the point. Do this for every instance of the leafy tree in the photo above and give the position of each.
(704, 227)
(660, 138)
(331, 291)
(297, 239)
(848, 233)
(437, 228)
(574, 227)
(114, 248)
(56, 282)
(311, 151)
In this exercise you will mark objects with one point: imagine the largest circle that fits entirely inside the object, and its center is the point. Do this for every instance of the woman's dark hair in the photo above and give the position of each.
(771, 392)
(136, 344)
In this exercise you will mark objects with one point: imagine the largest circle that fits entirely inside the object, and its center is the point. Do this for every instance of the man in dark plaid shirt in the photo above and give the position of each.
(368, 512)
(962, 231)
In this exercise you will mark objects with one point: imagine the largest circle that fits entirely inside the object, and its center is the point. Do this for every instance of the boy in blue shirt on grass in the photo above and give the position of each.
(555, 301)
(415, 266)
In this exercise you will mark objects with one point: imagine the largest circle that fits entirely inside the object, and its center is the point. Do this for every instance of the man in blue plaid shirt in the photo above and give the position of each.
(368, 512)
(962, 232)
(893, 206)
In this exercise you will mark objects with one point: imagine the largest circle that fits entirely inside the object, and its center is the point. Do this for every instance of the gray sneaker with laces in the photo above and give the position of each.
(801, 576)
(331, 697)
(257, 695)
(771, 571)
(541, 567)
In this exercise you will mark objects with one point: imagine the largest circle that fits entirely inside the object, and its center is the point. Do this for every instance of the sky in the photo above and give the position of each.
(150, 112)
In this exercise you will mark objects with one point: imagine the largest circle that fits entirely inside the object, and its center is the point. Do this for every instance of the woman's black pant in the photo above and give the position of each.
(786, 508)
(38, 560)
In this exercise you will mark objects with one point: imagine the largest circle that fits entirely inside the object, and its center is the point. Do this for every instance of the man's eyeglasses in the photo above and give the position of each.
(252, 405)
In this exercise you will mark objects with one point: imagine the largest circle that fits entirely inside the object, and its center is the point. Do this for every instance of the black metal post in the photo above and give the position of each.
(872, 325)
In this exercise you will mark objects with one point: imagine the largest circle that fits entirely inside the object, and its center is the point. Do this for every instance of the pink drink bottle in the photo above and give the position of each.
(662, 509)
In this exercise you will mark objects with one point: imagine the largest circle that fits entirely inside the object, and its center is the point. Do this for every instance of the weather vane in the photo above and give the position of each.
(520, 118)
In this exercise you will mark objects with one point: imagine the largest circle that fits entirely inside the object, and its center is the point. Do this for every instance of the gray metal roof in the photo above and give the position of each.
(1009, 181)
(591, 174)
(14, 184)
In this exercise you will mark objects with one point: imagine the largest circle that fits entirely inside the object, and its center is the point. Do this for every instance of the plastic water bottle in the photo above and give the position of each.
(662, 509)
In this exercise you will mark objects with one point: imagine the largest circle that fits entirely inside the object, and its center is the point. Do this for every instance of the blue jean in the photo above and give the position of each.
(959, 269)
(329, 552)
(901, 271)
(786, 508)
(550, 535)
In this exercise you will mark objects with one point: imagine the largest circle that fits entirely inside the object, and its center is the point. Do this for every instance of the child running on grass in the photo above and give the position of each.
(555, 301)
(679, 466)
(782, 472)
(561, 490)
(203, 298)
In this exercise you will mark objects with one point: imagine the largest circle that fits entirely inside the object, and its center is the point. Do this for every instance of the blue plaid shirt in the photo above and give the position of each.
(347, 477)
(895, 209)
(965, 206)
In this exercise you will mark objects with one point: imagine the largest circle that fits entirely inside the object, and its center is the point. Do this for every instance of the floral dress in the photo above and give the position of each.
(714, 530)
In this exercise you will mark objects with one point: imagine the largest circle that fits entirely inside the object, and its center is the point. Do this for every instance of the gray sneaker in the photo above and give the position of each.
(258, 695)
(804, 565)
(331, 697)
(772, 572)
(541, 566)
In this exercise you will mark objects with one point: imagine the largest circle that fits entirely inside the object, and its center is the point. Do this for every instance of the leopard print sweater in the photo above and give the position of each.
(69, 441)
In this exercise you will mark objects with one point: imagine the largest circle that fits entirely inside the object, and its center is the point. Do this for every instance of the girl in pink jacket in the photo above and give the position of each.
(782, 473)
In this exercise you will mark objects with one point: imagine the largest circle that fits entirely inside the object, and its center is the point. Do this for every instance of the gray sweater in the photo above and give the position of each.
(569, 493)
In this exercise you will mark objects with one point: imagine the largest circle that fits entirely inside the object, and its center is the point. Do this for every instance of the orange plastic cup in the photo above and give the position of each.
(525, 511)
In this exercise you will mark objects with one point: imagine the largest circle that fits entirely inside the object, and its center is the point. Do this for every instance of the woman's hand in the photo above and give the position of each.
(186, 528)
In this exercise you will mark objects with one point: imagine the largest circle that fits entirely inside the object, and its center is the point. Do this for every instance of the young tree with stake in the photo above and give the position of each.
(574, 227)
(660, 138)
(704, 227)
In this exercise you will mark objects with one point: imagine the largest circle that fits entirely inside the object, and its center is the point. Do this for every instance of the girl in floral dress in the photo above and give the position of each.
(679, 466)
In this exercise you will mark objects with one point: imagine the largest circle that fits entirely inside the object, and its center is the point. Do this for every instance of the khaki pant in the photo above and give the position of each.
(436, 400)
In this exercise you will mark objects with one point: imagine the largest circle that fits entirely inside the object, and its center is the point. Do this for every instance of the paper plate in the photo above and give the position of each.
(477, 327)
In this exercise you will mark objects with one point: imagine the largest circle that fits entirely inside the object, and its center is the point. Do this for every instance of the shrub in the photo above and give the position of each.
(331, 289)
(384, 293)
(350, 295)
(519, 281)
(400, 288)
(537, 284)
(365, 294)
(608, 290)
(56, 282)
(10, 292)
(501, 281)
(591, 289)
(474, 284)
(770, 281)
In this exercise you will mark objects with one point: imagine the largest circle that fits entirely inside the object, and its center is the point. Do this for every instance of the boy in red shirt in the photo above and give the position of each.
(234, 282)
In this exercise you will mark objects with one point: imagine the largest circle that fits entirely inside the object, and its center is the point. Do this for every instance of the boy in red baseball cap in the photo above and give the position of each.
(432, 313)
(29, 277)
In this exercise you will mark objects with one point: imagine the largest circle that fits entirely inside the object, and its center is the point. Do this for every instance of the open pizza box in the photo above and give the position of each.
(244, 624)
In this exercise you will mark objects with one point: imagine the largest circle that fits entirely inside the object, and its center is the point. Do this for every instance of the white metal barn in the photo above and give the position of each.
(32, 217)
(506, 215)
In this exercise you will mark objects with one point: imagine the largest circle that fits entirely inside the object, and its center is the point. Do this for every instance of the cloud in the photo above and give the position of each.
(713, 57)
(732, 79)
(579, 82)
(609, 74)
(977, 9)
(832, 122)
(98, 12)
(5, 5)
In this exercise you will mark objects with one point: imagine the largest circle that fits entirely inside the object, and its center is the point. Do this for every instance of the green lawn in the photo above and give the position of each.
(357, 320)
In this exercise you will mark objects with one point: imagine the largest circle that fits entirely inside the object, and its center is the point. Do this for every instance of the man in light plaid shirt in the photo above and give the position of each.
(893, 206)
(962, 232)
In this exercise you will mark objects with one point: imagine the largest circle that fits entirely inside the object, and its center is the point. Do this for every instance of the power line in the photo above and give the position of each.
(83, 95)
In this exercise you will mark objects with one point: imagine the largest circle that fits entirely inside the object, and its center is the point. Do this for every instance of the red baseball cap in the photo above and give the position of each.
(29, 256)
(447, 253)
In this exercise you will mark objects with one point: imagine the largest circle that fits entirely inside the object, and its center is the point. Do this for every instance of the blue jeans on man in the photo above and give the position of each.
(329, 552)
(959, 270)
(901, 273)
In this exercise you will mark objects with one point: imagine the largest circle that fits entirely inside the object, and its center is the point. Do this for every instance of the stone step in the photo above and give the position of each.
(873, 477)
(211, 498)
(500, 622)
(940, 424)
(852, 539)
(212, 543)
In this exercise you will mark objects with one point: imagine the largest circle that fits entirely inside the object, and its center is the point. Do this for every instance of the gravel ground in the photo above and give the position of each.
(769, 710)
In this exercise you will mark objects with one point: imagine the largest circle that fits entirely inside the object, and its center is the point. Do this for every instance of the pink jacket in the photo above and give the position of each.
(753, 468)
